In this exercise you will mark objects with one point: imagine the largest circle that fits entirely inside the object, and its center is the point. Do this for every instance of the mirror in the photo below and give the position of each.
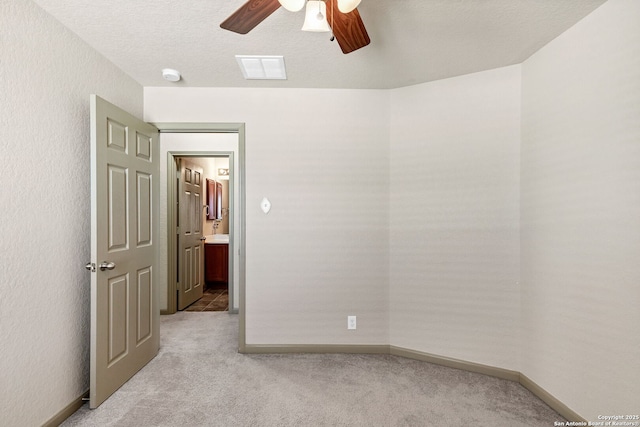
(214, 200)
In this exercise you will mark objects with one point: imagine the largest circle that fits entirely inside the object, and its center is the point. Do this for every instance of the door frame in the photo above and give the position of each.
(172, 203)
(238, 245)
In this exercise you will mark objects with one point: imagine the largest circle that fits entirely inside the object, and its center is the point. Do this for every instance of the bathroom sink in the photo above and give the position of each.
(217, 239)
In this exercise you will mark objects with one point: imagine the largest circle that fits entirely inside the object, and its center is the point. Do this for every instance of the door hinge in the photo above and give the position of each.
(177, 230)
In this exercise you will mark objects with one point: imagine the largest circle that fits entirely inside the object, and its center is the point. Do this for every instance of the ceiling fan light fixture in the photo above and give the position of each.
(292, 5)
(315, 19)
(346, 6)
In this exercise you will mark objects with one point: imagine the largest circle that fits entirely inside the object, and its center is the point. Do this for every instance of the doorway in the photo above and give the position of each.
(203, 223)
(205, 140)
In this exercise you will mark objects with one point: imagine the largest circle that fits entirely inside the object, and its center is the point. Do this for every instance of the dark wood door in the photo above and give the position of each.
(216, 263)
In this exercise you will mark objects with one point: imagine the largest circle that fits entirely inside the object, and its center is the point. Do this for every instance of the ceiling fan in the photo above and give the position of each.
(342, 16)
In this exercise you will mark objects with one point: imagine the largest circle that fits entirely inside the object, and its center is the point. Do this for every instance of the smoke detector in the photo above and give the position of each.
(171, 74)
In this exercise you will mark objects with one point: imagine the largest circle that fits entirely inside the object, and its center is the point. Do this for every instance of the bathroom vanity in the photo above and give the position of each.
(216, 259)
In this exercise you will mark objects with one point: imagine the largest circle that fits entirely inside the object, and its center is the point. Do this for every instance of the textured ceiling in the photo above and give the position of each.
(412, 41)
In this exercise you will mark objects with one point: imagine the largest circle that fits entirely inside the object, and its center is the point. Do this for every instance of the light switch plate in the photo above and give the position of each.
(351, 322)
(265, 205)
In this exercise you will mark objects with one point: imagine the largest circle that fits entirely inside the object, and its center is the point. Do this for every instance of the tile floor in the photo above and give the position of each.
(212, 300)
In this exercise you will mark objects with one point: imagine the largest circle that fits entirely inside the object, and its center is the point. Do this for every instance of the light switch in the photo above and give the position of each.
(265, 205)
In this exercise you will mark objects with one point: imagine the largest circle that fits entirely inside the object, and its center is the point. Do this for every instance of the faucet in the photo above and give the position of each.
(216, 224)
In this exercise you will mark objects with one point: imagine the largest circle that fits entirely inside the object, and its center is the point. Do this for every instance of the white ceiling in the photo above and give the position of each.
(412, 41)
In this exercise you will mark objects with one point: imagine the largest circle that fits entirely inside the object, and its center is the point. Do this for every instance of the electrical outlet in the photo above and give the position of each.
(351, 322)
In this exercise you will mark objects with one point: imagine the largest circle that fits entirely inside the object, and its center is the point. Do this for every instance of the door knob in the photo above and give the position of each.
(203, 238)
(91, 267)
(107, 265)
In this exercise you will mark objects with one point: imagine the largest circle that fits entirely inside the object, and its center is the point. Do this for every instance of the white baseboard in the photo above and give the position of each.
(493, 371)
(550, 400)
(66, 412)
(313, 348)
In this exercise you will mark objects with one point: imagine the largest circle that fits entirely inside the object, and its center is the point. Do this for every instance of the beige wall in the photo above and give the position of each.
(321, 254)
(581, 213)
(454, 217)
(46, 76)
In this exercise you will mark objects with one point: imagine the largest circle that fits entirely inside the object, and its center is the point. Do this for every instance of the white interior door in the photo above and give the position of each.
(190, 236)
(125, 328)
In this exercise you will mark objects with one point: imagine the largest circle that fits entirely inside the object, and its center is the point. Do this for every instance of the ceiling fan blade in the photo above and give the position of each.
(250, 15)
(348, 28)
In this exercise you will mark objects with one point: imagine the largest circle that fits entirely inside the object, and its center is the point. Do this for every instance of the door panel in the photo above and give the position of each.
(144, 315)
(117, 208)
(144, 201)
(125, 333)
(197, 215)
(190, 262)
(187, 280)
(118, 309)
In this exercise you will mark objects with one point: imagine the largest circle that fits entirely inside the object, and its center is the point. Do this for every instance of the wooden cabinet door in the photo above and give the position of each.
(217, 263)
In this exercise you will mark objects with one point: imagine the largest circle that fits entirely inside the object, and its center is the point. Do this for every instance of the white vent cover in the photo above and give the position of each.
(262, 67)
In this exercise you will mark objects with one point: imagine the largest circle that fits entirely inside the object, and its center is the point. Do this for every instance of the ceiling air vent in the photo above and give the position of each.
(262, 67)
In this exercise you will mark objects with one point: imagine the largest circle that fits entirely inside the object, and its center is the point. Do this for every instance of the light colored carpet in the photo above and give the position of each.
(199, 379)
